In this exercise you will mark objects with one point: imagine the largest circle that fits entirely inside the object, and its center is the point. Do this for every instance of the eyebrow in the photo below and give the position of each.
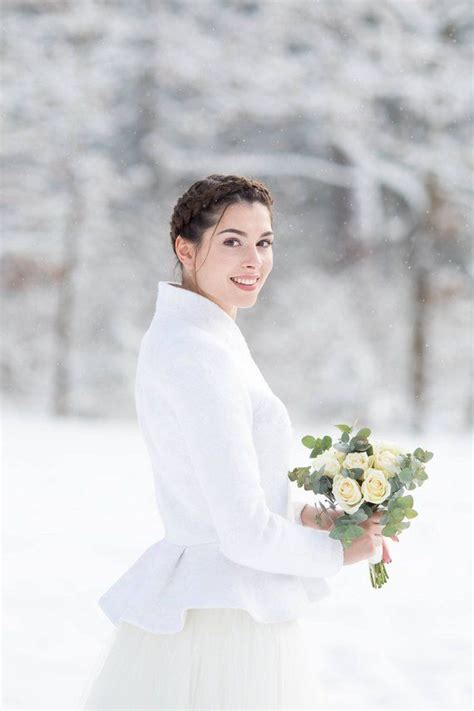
(243, 234)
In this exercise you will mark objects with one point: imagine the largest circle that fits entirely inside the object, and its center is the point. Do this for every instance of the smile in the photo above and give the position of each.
(245, 284)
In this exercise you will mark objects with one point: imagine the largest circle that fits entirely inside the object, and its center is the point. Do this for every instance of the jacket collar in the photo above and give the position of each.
(199, 310)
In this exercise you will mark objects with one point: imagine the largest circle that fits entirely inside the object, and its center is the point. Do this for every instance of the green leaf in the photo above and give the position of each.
(422, 455)
(308, 441)
(356, 472)
(326, 442)
(411, 513)
(404, 524)
(346, 532)
(389, 530)
(421, 475)
(354, 531)
(343, 428)
(363, 433)
(395, 486)
(393, 500)
(406, 475)
(336, 533)
(360, 444)
(325, 485)
(359, 515)
(406, 501)
(398, 514)
(345, 437)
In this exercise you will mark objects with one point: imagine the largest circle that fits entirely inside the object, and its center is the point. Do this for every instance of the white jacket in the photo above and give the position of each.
(220, 442)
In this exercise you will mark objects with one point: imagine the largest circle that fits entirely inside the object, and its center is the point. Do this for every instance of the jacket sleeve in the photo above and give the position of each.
(213, 407)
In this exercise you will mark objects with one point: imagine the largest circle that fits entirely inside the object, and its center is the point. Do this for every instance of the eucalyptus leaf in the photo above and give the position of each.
(326, 442)
(359, 444)
(344, 521)
(398, 514)
(359, 515)
(422, 455)
(421, 476)
(343, 428)
(325, 485)
(356, 472)
(406, 475)
(354, 531)
(347, 532)
(389, 530)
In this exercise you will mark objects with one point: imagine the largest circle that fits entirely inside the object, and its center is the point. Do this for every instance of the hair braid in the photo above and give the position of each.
(201, 199)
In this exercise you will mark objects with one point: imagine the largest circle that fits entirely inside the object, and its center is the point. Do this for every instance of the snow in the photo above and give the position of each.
(66, 540)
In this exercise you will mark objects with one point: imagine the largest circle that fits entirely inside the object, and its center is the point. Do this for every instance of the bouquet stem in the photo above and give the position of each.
(378, 574)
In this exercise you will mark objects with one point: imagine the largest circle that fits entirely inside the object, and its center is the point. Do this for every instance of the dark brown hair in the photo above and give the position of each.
(200, 207)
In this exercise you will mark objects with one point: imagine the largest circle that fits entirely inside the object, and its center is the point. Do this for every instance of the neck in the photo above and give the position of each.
(191, 286)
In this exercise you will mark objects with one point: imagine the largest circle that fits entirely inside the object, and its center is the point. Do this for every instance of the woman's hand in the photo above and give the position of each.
(369, 527)
(328, 517)
(375, 518)
(386, 557)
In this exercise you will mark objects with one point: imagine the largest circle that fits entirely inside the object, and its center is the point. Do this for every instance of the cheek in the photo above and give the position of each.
(225, 255)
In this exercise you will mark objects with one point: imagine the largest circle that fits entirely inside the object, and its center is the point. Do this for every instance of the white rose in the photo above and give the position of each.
(356, 459)
(387, 461)
(336, 453)
(347, 493)
(382, 446)
(375, 486)
(331, 463)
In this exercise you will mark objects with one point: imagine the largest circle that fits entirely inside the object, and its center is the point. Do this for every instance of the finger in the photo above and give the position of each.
(376, 529)
(386, 557)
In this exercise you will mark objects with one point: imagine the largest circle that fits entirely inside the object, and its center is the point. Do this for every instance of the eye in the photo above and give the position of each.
(234, 239)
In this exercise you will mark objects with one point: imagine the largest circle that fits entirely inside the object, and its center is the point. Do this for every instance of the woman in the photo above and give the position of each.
(209, 616)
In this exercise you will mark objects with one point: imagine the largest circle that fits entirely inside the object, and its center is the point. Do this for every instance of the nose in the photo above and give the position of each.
(252, 257)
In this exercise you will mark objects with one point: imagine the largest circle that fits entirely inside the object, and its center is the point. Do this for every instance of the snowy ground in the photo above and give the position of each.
(78, 509)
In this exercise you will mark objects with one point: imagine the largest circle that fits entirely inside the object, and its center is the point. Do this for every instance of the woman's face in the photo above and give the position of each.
(240, 247)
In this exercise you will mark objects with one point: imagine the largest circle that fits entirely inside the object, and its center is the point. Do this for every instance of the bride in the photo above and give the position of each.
(212, 615)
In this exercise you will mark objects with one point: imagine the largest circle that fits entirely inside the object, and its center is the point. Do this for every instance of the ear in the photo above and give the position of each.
(185, 251)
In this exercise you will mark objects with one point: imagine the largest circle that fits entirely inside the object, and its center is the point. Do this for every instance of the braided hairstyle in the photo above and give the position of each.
(200, 207)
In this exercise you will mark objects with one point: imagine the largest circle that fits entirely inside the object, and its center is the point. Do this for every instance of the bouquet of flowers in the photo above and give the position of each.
(363, 477)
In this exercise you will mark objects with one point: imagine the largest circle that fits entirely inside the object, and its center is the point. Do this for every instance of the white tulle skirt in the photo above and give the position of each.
(221, 659)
